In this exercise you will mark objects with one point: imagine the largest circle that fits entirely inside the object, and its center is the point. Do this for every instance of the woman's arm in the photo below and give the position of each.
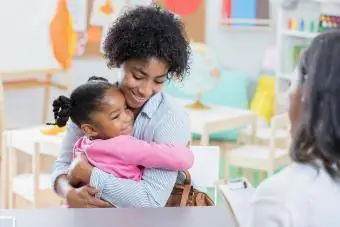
(157, 184)
(138, 152)
(59, 179)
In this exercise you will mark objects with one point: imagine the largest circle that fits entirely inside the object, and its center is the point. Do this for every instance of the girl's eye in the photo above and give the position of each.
(115, 117)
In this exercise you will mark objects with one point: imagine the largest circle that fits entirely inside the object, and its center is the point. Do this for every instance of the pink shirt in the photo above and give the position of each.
(125, 156)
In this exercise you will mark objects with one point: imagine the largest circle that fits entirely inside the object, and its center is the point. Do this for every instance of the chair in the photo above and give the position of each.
(264, 158)
(205, 171)
(263, 136)
(34, 187)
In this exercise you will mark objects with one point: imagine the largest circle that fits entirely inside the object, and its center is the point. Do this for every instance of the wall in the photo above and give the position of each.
(237, 49)
(241, 50)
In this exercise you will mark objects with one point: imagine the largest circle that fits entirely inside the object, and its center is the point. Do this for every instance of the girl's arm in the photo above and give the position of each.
(138, 152)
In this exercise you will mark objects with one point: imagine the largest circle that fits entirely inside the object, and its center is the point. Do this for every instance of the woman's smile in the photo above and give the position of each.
(137, 99)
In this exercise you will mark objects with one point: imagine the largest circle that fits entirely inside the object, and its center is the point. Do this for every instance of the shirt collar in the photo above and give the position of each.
(152, 104)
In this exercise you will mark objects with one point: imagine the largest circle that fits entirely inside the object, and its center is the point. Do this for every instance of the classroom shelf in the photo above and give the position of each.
(285, 76)
(299, 34)
(290, 43)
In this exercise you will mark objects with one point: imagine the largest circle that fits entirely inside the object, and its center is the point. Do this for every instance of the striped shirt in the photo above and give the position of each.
(160, 121)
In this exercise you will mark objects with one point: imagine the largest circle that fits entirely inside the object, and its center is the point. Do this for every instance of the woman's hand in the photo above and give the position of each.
(84, 197)
(80, 170)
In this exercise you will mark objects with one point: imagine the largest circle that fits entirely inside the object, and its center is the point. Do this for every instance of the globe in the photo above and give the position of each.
(204, 74)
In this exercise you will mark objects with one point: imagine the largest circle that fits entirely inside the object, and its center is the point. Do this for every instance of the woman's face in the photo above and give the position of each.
(295, 105)
(141, 79)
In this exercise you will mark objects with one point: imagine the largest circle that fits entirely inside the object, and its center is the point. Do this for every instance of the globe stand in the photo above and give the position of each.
(198, 105)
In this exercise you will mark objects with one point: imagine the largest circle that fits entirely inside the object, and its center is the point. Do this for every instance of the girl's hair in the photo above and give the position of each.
(318, 134)
(83, 101)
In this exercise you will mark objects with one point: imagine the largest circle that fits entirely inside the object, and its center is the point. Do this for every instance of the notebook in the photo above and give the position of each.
(238, 193)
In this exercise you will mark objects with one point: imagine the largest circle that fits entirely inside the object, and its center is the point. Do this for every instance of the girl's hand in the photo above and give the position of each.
(84, 197)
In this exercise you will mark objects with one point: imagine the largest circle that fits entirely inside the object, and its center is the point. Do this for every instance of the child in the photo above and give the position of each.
(98, 108)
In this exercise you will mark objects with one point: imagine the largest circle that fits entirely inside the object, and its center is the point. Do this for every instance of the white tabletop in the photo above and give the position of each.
(25, 140)
(199, 119)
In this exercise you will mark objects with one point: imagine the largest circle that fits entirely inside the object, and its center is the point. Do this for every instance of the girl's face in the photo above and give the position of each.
(141, 79)
(114, 118)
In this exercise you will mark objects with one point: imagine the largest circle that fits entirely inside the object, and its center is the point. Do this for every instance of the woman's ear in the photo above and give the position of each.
(89, 130)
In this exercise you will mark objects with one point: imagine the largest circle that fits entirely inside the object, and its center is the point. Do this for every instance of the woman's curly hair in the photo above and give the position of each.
(148, 32)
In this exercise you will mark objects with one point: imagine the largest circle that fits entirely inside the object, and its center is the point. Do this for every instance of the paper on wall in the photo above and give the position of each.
(102, 19)
(78, 10)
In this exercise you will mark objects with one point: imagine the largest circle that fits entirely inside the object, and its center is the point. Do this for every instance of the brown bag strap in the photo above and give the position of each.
(187, 178)
(185, 195)
(186, 189)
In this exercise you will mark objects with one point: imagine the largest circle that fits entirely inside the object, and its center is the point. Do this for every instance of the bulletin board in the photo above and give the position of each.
(91, 19)
(192, 13)
(246, 13)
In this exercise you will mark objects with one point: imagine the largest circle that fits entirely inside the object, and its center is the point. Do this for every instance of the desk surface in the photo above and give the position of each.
(166, 217)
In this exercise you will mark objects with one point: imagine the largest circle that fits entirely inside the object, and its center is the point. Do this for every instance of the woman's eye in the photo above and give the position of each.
(159, 81)
(136, 76)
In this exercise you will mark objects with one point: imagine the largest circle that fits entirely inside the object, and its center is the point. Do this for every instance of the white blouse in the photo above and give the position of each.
(298, 196)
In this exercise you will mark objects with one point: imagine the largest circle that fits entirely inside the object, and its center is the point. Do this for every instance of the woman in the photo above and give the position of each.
(307, 193)
(150, 47)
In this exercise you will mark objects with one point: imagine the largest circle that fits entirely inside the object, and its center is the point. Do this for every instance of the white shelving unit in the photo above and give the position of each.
(308, 10)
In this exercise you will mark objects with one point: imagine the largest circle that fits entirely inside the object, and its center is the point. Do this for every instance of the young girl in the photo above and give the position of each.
(98, 108)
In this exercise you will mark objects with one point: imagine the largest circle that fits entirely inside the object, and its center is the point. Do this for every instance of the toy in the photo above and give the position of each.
(54, 130)
(264, 98)
(327, 22)
(302, 25)
(312, 26)
(290, 24)
(294, 24)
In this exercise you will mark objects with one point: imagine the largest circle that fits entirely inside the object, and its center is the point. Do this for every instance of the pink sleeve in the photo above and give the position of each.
(150, 155)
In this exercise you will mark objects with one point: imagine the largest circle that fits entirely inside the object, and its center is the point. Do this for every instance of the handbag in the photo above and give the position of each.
(186, 195)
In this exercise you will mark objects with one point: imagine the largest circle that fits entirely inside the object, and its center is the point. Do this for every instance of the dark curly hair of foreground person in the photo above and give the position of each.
(147, 32)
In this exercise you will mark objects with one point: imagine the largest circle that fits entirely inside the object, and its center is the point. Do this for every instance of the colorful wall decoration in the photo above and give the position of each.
(91, 19)
(245, 13)
(191, 12)
(182, 8)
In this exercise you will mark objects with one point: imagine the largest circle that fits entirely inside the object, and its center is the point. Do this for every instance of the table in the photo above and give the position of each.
(216, 119)
(25, 140)
(144, 217)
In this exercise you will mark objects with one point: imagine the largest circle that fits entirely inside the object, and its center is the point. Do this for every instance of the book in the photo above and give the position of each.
(297, 51)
